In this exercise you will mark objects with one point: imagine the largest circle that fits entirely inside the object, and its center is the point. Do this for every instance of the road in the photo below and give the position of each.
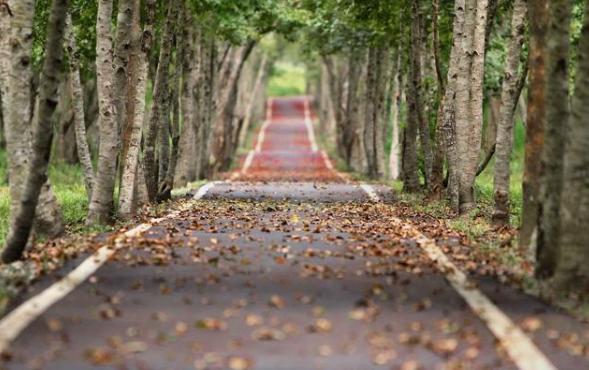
(290, 265)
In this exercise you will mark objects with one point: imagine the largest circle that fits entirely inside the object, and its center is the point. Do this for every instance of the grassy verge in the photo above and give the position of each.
(68, 185)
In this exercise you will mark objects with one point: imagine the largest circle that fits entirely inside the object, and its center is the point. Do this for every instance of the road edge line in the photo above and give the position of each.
(267, 122)
(309, 125)
(15, 322)
(519, 347)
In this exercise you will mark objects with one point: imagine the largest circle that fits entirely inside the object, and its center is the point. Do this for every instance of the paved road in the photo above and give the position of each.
(282, 275)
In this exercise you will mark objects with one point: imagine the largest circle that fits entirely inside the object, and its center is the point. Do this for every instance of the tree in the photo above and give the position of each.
(509, 98)
(469, 100)
(448, 122)
(18, 112)
(130, 178)
(78, 105)
(572, 268)
(538, 16)
(161, 101)
(37, 169)
(102, 195)
(557, 111)
(414, 112)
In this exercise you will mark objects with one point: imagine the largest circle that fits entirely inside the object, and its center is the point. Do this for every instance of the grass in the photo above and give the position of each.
(287, 79)
(68, 185)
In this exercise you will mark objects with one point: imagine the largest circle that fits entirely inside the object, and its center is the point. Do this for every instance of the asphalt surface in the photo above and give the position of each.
(261, 274)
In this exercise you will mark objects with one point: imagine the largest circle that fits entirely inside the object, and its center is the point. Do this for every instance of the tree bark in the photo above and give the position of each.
(414, 113)
(557, 112)
(37, 168)
(122, 52)
(439, 153)
(395, 155)
(5, 31)
(18, 110)
(127, 52)
(436, 47)
(227, 89)
(78, 106)
(572, 270)
(167, 184)
(536, 118)
(350, 127)
(370, 107)
(131, 176)
(383, 57)
(509, 97)
(417, 89)
(104, 186)
(262, 70)
(160, 101)
(448, 123)
(469, 100)
(208, 103)
(188, 146)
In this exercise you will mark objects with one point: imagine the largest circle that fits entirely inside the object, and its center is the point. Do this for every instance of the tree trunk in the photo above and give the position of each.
(417, 90)
(78, 106)
(5, 31)
(131, 174)
(557, 112)
(208, 103)
(395, 155)
(104, 186)
(167, 185)
(490, 136)
(188, 146)
(439, 153)
(262, 70)
(37, 168)
(18, 111)
(414, 113)
(572, 270)
(382, 71)
(126, 79)
(536, 117)
(436, 47)
(5, 19)
(336, 93)
(469, 100)
(509, 97)
(352, 107)
(160, 101)
(65, 143)
(227, 98)
(370, 108)
(122, 52)
(448, 124)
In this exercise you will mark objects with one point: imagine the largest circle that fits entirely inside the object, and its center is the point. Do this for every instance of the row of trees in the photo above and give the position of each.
(161, 90)
(165, 91)
(438, 64)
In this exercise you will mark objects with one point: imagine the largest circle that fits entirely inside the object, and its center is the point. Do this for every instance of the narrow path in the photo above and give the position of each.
(309, 273)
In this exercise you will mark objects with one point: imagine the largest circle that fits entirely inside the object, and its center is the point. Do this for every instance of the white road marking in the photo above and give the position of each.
(328, 162)
(371, 192)
(248, 162)
(262, 134)
(13, 324)
(520, 348)
(310, 131)
(260, 141)
(204, 190)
